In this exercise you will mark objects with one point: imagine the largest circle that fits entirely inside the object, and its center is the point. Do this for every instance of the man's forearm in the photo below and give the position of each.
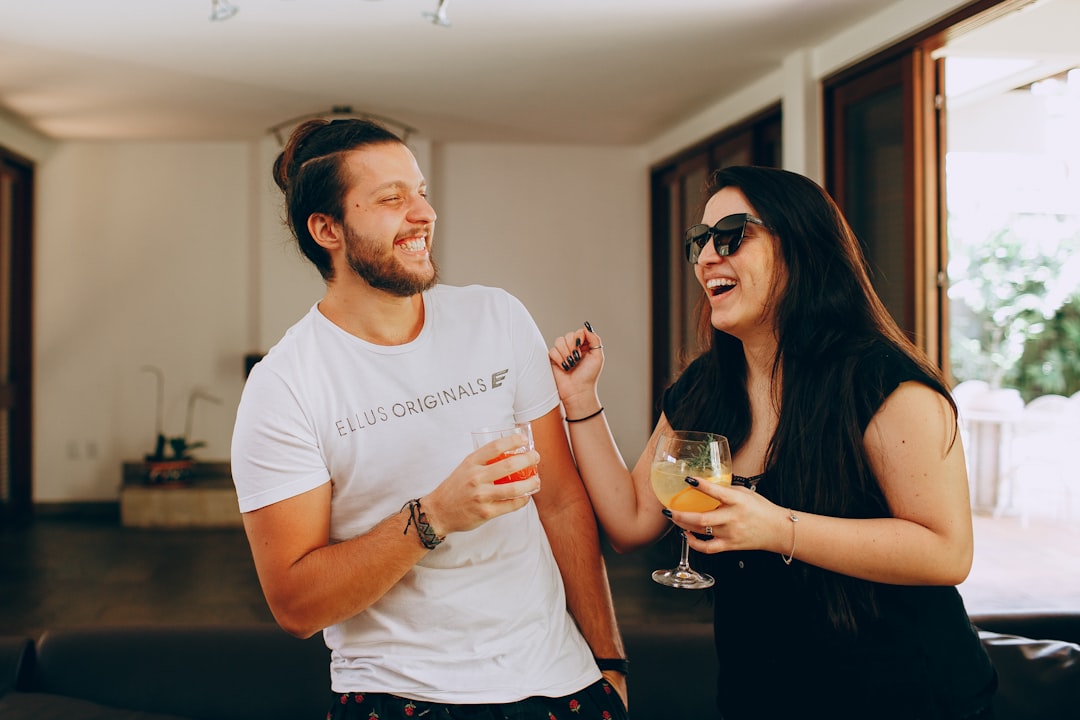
(575, 543)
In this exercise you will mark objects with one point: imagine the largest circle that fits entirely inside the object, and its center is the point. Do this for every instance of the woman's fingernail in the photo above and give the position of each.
(691, 481)
(566, 367)
(577, 355)
(588, 326)
(667, 513)
(577, 343)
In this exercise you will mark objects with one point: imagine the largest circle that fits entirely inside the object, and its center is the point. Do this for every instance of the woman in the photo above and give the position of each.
(837, 551)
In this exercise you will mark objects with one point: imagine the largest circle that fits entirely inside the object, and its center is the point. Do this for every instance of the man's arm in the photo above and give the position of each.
(310, 584)
(570, 525)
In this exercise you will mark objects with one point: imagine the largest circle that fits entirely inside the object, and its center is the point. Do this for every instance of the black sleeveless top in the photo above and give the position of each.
(779, 655)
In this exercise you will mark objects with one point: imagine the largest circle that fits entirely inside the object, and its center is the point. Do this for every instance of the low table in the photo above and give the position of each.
(207, 498)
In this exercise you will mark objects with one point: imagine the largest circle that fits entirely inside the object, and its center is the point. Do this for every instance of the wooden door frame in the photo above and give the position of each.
(921, 80)
(18, 505)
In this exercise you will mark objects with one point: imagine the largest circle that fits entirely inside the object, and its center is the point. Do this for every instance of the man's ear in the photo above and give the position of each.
(327, 232)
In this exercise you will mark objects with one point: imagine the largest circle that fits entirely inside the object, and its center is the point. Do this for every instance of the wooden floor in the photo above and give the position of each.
(70, 572)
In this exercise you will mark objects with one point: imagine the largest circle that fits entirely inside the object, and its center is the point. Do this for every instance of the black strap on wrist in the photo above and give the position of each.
(620, 665)
(418, 519)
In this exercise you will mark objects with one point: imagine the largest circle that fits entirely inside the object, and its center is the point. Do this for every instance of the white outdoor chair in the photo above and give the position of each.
(1043, 473)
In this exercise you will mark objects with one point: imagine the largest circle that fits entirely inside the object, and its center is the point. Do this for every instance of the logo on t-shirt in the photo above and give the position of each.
(420, 404)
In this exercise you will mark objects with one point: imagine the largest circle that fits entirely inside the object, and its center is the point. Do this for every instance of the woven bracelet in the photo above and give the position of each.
(418, 519)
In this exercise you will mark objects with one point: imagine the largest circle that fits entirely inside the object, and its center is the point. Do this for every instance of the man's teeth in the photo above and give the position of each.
(415, 244)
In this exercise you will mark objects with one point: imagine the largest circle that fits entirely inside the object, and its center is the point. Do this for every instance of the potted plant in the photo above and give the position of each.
(175, 468)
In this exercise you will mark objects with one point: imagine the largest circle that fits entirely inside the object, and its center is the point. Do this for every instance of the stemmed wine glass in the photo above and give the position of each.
(680, 453)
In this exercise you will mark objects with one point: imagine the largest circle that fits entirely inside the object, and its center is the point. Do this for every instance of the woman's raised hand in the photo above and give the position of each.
(576, 361)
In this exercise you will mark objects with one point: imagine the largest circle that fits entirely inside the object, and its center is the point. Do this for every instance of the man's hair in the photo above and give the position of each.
(311, 171)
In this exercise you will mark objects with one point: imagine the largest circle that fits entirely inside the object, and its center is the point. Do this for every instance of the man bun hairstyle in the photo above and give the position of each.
(311, 172)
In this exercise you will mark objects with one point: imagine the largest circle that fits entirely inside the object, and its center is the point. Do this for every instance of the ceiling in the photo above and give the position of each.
(573, 71)
(562, 71)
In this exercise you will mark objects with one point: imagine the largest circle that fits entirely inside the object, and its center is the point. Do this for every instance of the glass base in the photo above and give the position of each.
(683, 578)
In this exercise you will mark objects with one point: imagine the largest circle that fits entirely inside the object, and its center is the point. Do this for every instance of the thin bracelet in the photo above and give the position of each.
(587, 417)
(791, 555)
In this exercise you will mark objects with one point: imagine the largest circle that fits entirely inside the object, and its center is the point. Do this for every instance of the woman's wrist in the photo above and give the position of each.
(580, 412)
(583, 405)
(583, 418)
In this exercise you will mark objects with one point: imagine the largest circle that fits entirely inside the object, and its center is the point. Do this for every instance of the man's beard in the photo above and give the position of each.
(382, 271)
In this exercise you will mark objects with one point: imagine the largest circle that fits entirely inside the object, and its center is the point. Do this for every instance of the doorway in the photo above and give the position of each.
(897, 127)
(16, 273)
(1012, 173)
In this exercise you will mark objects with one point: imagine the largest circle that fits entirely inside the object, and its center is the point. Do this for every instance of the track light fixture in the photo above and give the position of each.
(439, 16)
(222, 10)
(402, 130)
(225, 9)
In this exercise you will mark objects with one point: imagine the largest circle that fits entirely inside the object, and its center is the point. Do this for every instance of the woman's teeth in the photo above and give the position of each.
(719, 286)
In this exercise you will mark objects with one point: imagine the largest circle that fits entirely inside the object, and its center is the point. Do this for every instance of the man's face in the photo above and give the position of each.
(388, 221)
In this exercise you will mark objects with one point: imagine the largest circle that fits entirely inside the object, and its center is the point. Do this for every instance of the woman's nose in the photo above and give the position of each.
(708, 254)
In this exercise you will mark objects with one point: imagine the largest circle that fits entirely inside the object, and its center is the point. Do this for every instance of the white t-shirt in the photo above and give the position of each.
(482, 618)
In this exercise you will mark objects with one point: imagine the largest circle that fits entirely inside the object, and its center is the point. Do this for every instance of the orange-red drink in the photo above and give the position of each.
(522, 431)
(514, 476)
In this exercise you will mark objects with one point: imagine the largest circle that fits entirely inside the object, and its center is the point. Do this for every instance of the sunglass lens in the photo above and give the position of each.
(728, 234)
(696, 237)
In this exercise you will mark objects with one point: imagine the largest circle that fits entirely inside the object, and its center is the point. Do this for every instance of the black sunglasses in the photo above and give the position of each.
(727, 235)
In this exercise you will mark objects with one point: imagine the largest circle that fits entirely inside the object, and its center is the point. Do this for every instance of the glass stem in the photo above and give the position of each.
(684, 554)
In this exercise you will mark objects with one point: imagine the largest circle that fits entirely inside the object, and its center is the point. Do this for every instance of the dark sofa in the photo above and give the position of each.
(249, 672)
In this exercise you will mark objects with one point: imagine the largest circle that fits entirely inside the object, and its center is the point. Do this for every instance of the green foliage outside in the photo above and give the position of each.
(1015, 302)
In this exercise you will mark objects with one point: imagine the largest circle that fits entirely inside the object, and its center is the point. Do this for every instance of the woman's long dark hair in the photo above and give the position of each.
(828, 321)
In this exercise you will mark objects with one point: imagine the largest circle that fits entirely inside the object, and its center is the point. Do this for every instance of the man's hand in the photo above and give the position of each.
(470, 497)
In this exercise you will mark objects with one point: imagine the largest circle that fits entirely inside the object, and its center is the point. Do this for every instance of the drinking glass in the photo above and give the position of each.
(680, 453)
(522, 430)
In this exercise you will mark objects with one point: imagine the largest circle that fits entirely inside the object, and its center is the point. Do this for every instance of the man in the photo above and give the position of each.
(369, 514)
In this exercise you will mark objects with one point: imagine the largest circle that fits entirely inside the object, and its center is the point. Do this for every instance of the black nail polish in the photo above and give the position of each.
(577, 343)
(588, 326)
(667, 513)
(577, 355)
(691, 481)
(566, 367)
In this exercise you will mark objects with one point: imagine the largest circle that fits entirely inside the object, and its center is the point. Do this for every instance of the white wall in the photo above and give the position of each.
(173, 254)
(141, 256)
(565, 229)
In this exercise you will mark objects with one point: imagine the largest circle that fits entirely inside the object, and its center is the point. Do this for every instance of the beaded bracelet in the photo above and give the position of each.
(417, 517)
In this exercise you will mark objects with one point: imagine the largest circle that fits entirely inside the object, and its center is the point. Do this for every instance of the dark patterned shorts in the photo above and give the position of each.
(598, 701)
